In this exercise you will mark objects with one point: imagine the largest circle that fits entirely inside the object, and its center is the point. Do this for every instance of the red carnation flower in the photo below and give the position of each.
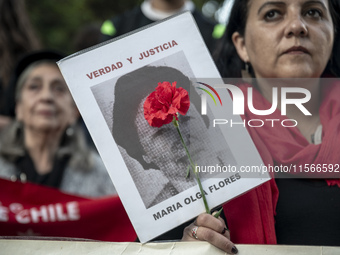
(162, 105)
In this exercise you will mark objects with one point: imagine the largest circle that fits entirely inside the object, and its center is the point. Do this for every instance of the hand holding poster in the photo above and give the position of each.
(148, 165)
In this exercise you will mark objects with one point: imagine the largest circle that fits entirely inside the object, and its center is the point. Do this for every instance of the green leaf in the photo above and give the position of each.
(216, 215)
(188, 172)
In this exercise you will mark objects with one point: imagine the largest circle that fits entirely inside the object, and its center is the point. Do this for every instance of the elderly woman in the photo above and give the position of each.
(284, 39)
(43, 145)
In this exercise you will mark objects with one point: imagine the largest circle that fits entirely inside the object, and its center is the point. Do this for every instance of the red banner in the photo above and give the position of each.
(30, 209)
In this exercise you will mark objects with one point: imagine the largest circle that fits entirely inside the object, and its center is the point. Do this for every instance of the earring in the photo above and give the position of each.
(18, 128)
(246, 76)
(247, 67)
(69, 131)
(18, 125)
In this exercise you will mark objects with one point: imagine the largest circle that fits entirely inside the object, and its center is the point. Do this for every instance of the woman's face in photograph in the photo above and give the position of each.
(287, 38)
(163, 146)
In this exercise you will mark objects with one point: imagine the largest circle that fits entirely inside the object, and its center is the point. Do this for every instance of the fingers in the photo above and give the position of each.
(213, 230)
(225, 230)
(211, 222)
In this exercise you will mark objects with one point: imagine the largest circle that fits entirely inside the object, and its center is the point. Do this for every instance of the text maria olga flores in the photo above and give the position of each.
(239, 102)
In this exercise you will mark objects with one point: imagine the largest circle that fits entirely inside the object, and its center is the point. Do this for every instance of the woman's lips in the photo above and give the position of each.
(296, 50)
(46, 113)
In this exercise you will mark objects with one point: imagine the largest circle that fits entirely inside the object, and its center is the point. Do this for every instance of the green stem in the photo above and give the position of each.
(193, 166)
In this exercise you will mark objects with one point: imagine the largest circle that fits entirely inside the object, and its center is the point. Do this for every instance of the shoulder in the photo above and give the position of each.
(128, 15)
(7, 169)
(210, 29)
(202, 20)
(150, 183)
(123, 23)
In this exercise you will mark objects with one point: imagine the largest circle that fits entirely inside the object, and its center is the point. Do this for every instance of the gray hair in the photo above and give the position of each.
(26, 73)
(72, 143)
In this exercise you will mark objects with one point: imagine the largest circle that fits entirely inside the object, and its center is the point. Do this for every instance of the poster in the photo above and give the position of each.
(148, 166)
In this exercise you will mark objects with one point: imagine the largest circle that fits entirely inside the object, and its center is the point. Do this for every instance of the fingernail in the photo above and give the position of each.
(234, 250)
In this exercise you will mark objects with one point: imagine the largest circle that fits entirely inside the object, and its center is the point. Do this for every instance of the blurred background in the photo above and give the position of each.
(58, 22)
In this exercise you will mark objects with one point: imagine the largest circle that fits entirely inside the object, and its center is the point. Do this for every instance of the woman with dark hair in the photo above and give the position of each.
(146, 161)
(284, 39)
(155, 157)
(231, 65)
(130, 90)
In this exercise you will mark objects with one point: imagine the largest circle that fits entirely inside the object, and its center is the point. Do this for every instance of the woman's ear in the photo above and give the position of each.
(240, 46)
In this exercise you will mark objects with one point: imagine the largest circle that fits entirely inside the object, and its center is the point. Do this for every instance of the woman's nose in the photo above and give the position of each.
(296, 27)
(46, 94)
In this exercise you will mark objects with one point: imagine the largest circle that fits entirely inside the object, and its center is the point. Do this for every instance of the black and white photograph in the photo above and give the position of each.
(155, 157)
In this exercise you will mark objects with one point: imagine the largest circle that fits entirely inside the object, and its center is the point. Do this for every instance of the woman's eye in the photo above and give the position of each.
(272, 15)
(33, 86)
(60, 88)
(314, 13)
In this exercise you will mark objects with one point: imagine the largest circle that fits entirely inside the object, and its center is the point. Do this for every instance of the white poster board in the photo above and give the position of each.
(109, 83)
